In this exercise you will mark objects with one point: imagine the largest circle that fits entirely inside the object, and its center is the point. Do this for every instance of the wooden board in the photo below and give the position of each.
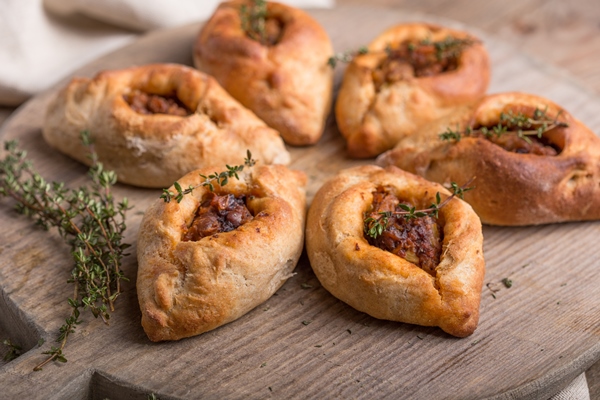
(532, 340)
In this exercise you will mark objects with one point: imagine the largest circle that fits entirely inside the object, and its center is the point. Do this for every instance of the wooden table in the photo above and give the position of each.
(559, 33)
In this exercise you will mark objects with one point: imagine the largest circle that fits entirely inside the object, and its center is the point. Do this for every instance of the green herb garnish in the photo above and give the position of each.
(450, 47)
(374, 226)
(89, 219)
(221, 178)
(346, 56)
(13, 352)
(254, 20)
(510, 123)
(507, 282)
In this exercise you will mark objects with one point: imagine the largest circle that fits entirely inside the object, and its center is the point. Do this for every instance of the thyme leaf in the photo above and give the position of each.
(13, 352)
(507, 282)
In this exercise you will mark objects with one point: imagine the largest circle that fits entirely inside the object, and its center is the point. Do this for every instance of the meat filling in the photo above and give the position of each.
(147, 103)
(273, 31)
(419, 59)
(417, 240)
(533, 145)
(217, 214)
(524, 131)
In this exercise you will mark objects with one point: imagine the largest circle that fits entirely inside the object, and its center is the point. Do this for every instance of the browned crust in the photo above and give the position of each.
(288, 85)
(187, 288)
(155, 150)
(511, 189)
(374, 122)
(380, 283)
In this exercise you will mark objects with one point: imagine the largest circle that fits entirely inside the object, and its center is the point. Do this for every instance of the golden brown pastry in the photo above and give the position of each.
(215, 256)
(284, 77)
(412, 74)
(440, 285)
(154, 123)
(550, 172)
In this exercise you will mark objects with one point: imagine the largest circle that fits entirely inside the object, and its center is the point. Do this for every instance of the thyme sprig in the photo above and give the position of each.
(346, 56)
(221, 178)
(253, 19)
(90, 221)
(13, 352)
(518, 124)
(450, 47)
(374, 226)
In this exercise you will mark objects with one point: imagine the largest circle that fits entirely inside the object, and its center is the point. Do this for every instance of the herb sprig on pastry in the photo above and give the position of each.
(535, 163)
(408, 76)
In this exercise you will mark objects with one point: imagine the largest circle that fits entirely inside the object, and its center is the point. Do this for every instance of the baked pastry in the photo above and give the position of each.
(282, 76)
(431, 271)
(214, 256)
(411, 74)
(154, 123)
(545, 170)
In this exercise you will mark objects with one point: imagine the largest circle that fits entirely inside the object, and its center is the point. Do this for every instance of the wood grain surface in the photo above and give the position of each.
(533, 338)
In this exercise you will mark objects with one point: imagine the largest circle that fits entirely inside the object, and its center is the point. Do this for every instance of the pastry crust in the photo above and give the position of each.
(154, 150)
(511, 189)
(186, 288)
(373, 121)
(289, 84)
(380, 283)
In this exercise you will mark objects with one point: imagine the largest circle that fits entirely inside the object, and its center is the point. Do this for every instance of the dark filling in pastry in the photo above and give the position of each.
(419, 59)
(417, 240)
(524, 130)
(148, 103)
(539, 146)
(273, 31)
(218, 214)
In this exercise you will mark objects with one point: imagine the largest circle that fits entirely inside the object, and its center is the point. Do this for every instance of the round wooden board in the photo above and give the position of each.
(532, 339)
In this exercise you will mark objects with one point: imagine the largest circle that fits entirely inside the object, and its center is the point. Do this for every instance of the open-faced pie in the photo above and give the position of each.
(534, 162)
(425, 270)
(216, 255)
(410, 75)
(152, 124)
(274, 61)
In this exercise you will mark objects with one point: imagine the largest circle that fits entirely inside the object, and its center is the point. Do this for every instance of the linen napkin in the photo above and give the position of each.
(45, 40)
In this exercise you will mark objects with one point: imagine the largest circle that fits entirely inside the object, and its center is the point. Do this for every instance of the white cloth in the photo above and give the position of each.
(45, 40)
(576, 390)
